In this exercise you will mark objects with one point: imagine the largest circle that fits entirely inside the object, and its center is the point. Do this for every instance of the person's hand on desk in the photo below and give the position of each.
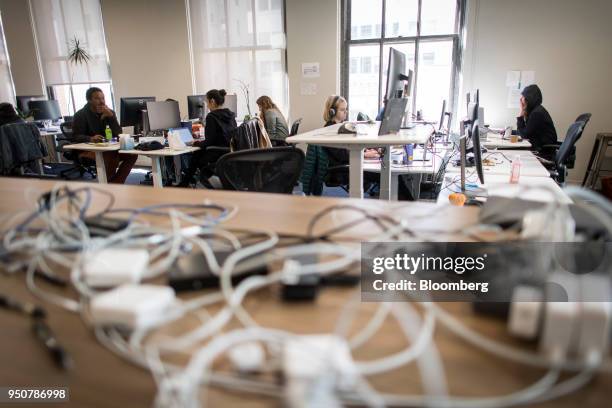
(371, 154)
(97, 139)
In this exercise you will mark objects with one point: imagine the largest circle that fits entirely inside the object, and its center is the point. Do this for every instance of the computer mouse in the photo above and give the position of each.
(347, 128)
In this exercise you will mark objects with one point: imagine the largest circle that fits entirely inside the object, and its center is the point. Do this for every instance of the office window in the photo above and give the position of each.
(7, 92)
(427, 31)
(237, 41)
(57, 24)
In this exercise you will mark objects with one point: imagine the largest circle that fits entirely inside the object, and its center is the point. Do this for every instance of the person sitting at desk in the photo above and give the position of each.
(534, 122)
(275, 122)
(220, 122)
(89, 125)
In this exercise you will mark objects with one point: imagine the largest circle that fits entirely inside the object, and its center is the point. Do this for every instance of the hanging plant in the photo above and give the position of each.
(77, 54)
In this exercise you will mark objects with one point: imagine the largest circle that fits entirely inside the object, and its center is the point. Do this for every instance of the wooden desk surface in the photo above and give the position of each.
(94, 147)
(100, 379)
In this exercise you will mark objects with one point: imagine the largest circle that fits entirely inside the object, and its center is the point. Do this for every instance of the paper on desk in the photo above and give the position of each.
(513, 79)
(527, 78)
(514, 98)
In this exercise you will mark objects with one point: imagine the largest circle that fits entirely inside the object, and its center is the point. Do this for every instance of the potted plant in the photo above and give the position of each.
(77, 55)
(244, 88)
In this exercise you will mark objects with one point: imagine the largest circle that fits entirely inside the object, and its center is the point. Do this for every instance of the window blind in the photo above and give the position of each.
(58, 23)
(236, 41)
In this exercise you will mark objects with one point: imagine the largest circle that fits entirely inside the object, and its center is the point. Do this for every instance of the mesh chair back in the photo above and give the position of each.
(585, 117)
(273, 170)
(573, 134)
(295, 127)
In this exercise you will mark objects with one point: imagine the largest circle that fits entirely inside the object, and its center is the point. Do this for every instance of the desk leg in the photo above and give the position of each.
(156, 172)
(100, 168)
(394, 186)
(356, 172)
(177, 169)
(385, 176)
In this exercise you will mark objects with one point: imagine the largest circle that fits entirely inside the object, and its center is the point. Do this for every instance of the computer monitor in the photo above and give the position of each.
(163, 115)
(397, 77)
(231, 102)
(196, 105)
(23, 100)
(131, 111)
(442, 115)
(395, 108)
(475, 136)
(45, 110)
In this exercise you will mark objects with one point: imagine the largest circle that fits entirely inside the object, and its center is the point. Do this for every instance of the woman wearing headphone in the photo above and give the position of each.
(336, 110)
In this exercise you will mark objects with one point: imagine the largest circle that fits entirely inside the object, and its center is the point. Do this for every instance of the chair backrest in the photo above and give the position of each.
(362, 117)
(573, 134)
(20, 142)
(273, 170)
(584, 117)
(295, 127)
(250, 135)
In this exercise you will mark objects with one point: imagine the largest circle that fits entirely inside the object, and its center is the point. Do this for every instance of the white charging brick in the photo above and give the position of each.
(113, 267)
(132, 306)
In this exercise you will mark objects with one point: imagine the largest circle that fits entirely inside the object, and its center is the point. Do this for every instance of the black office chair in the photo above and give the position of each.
(295, 127)
(82, 166)
(550, 150)
(273, 170)
(558, 168)
(362, 117)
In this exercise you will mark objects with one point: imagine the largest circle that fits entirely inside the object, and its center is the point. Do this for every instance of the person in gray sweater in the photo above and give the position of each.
(276, 125)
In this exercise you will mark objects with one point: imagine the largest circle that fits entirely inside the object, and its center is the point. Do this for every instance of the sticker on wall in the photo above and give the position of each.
(513, 79)
(308, 88)
(311, 70)
(527, 78)
(514, 98)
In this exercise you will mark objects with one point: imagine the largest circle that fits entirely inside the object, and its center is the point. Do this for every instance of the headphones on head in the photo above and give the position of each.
(332, 109)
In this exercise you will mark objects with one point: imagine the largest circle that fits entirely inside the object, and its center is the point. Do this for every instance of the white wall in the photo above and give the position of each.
(567, 43)
(148, 49)
(313, 35)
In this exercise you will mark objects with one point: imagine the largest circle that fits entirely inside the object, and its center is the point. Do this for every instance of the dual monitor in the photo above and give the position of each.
(142, 112)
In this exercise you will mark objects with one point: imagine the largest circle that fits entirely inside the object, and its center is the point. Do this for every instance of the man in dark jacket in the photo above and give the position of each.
(89, 126)
(534, 122)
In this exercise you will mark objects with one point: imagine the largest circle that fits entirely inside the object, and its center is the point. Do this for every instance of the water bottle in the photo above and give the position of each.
(108, 133)
(515, 173)
(409, 150)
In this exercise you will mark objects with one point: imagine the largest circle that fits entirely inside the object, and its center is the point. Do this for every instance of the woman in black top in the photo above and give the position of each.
(220, 122)
(534, 122)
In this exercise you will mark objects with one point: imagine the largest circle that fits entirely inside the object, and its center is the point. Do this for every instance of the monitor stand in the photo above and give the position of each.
(471, 192)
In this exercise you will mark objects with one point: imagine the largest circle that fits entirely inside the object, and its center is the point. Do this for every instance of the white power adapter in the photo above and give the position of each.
(115, 266)
(132, 306)
(594, 323)
(315, 367)
(525, 311)
(247, 357)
